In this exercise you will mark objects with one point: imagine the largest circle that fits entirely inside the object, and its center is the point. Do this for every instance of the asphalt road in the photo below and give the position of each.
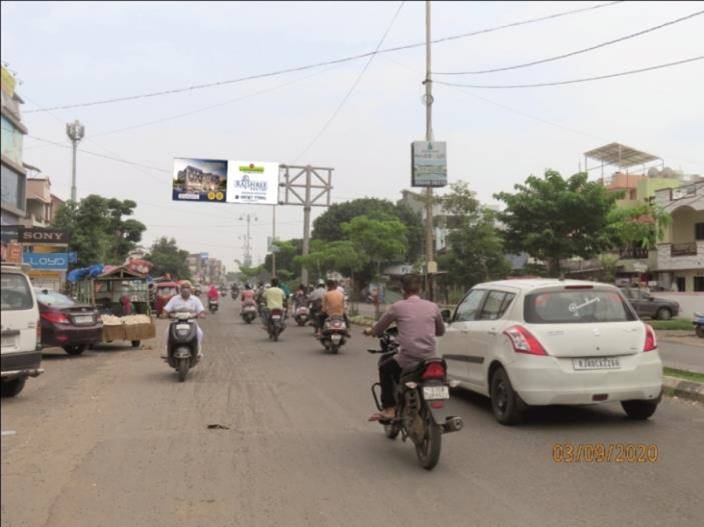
(111, 438)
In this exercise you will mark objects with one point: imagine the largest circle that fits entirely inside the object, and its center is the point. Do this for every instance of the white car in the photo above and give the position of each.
(20, 355)
(540, 342)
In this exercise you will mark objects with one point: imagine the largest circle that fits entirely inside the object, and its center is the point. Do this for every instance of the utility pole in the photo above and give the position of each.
(314, 181)
(273, 240)
(428, 137)
(75, 132)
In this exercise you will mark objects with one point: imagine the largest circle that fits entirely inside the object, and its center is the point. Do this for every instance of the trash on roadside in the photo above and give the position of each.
(218, 427)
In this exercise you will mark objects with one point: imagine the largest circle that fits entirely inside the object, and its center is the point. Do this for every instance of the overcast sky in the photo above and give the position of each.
(68, 53)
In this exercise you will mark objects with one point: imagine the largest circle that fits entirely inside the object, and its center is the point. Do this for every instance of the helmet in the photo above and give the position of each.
(267, 285)
(321, 283)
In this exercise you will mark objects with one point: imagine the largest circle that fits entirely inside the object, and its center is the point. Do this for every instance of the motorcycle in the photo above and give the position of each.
(213, 305)
(699, 324)
(182, 343)
(334, 334)
(233, 294)
(420, 398)
(248, 312)
(302, 315)
(275, 324)
(314, 309)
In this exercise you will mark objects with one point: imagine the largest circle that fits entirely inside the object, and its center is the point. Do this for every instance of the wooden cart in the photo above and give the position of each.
(133, 328)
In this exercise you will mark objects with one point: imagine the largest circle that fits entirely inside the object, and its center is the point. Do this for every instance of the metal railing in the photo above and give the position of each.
(683, 249)
(633, 253)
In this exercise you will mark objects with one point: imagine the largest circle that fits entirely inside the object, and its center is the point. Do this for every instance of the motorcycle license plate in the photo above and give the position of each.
(336, 338)
(275, 317)
(433, 393)
(183, 326)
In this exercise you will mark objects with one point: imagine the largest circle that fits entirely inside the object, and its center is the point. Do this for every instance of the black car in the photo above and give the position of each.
(67, 324)
(650, 306)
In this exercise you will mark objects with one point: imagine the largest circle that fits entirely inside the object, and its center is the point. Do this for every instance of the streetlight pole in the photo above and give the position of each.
(428, 137)
(75, 132)
(273, 240)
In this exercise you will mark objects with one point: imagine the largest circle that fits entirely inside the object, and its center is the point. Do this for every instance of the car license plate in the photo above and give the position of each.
(596, 363)
(431, 393)
(83, 319)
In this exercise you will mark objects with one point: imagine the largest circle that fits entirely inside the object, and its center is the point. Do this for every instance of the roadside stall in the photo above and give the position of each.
(164, 292)
(122, 298)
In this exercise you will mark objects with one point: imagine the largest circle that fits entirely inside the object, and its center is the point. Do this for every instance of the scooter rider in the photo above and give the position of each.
(315, 300)
(213, 293)
(419, 322)
(275, 298)
(186, 302)
(333, 306)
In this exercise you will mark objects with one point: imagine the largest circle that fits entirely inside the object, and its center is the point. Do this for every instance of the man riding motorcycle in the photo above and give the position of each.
(186, 302)
(333, 306)
(275, 298)
(315, 302)
(419, 322)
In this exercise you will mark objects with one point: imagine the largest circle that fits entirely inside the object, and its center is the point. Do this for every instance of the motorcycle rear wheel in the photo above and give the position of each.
(391, 431)
(183, 366)
(428, 450)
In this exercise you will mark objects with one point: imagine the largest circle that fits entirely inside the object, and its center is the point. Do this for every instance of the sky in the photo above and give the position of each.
(65, 53)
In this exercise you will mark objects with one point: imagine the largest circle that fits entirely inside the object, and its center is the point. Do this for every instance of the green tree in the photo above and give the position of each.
(168, 258)
(475, 251)
(640, 226)
(381, 240)
(99, 229)
(552, 218)
(286, 267)
(250, 273)
(328, 226)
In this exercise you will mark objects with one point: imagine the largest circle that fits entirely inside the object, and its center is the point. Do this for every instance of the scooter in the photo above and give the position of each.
(182, 344)
(334, 334)
(420, 397)
(248, 312)
(213, 305)
(302, 315)
(275, 324)
(699, 324)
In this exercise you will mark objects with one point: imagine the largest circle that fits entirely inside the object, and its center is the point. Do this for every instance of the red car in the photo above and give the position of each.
(67, 324)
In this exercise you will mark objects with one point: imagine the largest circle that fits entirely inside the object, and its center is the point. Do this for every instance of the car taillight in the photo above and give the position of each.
(55, 317)
(434, 370)
(651, 342)
(523, 341)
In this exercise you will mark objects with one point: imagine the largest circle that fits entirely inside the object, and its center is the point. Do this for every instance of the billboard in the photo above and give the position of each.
(225, 181)
(199, 180)
(429, 164)
(40, 235)
(46, 261)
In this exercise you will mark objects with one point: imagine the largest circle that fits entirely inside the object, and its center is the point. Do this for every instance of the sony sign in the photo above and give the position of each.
(36, 235)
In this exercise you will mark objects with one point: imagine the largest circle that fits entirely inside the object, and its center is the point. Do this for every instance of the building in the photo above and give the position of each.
(39, 206)
(680, 255)
(56, 203)
(417, 203)
(13, 175)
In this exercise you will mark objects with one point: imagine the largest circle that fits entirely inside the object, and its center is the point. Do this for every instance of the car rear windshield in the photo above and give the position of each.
(574, 307)
(53, 299)
(15, 294)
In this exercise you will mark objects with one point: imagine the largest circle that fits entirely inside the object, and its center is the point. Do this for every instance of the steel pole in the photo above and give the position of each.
(73, 172)
(429, 249)
(306, 226)
(273, 239)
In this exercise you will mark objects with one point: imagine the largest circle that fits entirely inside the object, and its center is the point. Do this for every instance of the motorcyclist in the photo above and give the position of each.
(419, 322)
(213, 293)
(275, 298)
(188, 303)
(300, 296)
(333, 306)
(247, 296)
(315, 301)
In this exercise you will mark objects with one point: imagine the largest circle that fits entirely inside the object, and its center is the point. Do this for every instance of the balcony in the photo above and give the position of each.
(633, 253)
(683, 249)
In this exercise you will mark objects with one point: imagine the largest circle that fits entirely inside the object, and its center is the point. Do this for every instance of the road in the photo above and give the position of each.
(111, 438)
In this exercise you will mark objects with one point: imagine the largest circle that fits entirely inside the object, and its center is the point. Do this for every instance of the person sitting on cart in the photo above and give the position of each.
(188, 303)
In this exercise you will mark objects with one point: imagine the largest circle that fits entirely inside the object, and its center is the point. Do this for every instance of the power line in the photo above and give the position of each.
(571, 81)
(321, 64)
(352, 88)
(572, 53)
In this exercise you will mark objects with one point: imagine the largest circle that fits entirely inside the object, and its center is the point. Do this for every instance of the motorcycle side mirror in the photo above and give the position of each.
(446, 315)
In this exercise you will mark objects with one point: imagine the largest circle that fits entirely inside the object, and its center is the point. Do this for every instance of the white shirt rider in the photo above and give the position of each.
(191, 304)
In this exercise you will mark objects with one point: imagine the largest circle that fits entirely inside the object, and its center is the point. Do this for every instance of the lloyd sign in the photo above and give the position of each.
(47, 261)
(32, 235)
(429, 164)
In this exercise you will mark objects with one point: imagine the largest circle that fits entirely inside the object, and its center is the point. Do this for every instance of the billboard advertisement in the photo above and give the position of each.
(225, 181)
(429, 164)
(199, 180)
(46, 261)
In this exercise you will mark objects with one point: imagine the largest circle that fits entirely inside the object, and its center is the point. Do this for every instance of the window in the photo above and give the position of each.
(468, 308)
(699, 231)
(14, 292)
(575, 307)
(53, 299)
(495, 305)
(699, 283)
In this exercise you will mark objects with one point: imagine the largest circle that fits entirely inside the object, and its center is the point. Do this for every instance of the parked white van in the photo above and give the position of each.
(20, 355)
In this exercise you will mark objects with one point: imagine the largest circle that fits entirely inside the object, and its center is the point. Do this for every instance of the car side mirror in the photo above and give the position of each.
(446, 315)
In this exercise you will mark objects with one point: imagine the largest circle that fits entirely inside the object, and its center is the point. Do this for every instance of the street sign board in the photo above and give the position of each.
(428, 164)
(38, 235)
(46, 261)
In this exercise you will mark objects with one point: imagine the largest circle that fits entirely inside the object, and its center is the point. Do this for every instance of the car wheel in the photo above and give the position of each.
(13, 387)
(507, 406)
(75, 349)
(664, 314)
(700, 331)
(640, 410)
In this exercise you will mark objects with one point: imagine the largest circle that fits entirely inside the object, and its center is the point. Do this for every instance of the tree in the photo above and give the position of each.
(379, 240)
(475, 250)
(166, 257)
(99, 231)
(328, 226)
(639, 226)
(286, 266)
(553, 218)
(249, 273)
